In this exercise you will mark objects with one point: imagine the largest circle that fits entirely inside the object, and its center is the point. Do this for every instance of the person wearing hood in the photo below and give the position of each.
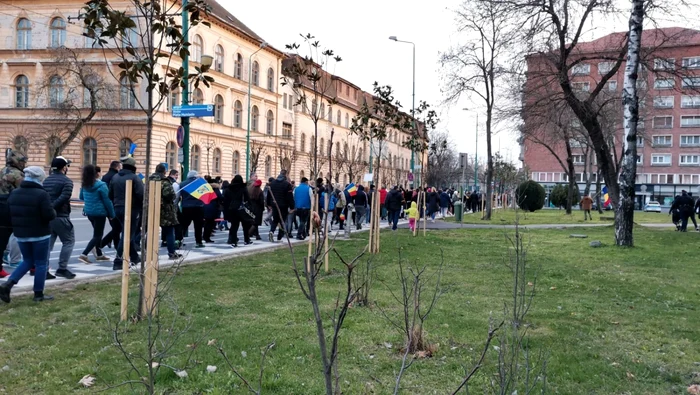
(234, 196)
(32, 212)
(112, 238)
(98, 208)
(360, 201)
(168, 209)
(281, 199)
(433, 202)
(60, 189)
(394, 204)
(117, 194)
(212, 211)
(11, 177)
(412, 214)
(192, 210)
(257, 205)
(339, 203)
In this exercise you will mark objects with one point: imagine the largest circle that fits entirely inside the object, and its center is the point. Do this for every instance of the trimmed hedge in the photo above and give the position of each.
(530, 196)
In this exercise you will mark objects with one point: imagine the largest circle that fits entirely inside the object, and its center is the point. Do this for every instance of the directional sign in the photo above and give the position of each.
(180, 155)
(193, 111)
(180, 136)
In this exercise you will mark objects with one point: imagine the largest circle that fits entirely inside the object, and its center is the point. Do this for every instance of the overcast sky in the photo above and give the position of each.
(358, 31)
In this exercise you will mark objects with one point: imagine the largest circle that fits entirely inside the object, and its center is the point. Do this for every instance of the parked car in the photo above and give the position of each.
(652, 206)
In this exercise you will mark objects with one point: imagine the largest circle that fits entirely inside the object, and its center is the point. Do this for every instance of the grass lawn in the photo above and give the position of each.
(553, 216)
(613, 321)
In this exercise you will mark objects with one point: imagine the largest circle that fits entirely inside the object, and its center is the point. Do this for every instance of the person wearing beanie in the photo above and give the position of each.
(117, 194)
(31, 213)
(60, 189)
(10, 179)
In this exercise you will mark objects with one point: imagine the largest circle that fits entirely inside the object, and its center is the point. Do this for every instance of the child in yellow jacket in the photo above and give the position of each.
(412, 214)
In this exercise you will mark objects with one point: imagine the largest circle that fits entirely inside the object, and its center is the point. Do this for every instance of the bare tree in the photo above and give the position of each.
(74, 93)
(209, 145)
(443, 162)
(286, 154)
(257, 149)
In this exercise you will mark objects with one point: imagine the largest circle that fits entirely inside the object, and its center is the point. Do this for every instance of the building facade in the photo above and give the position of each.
(33, 88)
(669, 127)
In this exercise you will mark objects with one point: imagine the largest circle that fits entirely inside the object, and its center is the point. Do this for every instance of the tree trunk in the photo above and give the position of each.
(587, 171)
(489, 168)
(571, 170)
(599, 189)
(624, 218)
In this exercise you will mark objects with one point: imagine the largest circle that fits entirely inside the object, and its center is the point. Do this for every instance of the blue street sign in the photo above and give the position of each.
(193, 111)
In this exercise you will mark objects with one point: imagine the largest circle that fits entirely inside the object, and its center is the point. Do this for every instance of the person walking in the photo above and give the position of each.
(60, 189)
(192, 210)
(412, 214)
(168, 209)
(117, 193)
(433, 202)
(587, 206)
(31, 213)
(112, 238)
(212, 211)
(685, 207)
(302, 206)
(234, 196)
(257, 205)
(444, 203)
(382, 198)
(281, 199)
(394, 205)
(11, 177)
(339, 203)
(370, 199)
(360, 201)
(98, 208)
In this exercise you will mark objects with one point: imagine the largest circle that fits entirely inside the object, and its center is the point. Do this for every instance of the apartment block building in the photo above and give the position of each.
(669, 129)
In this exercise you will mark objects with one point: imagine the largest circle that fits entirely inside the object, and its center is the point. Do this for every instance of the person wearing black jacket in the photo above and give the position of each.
(117, 194)
(360, 201)
(112, 238)
(685, 207)
(212, 211)
(234, 196)
(257, 205)
(283, 195)
(60, 189)
(31, 213)
(394, 204)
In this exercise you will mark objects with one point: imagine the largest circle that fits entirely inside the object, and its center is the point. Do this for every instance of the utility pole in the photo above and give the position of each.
(476, 154)
(185, 121)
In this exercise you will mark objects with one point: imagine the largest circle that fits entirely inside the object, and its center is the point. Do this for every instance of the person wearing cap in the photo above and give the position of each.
(60, 189)
(11, 176)
(117, 194)
(31, 213)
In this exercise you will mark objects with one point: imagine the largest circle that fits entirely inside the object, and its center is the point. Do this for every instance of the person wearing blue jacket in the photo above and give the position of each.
(444, 202)
(302, 203)
(98, 208)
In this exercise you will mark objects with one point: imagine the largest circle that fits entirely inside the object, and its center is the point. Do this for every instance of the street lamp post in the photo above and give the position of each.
(415, 129)
(247, 136)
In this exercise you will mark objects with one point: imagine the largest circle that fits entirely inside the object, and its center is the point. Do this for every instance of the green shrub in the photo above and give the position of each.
(560, 194)
(530, 196)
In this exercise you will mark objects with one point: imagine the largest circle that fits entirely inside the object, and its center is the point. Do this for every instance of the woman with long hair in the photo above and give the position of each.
(234, 196)
(257, 205)
(97, 208)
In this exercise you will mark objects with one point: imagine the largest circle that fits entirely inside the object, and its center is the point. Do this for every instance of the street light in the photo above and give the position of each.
(413, 113)
(247, 136)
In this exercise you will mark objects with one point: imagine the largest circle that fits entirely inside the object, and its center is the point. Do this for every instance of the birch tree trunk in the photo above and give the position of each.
(624, 220)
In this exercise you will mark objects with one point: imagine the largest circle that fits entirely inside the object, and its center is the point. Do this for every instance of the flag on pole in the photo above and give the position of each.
(200, 189)
(351, 189)
(606, 197)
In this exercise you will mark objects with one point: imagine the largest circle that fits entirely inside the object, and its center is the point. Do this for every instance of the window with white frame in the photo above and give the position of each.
(642, 178)
(575, 143)
(663, 122)
(690, 121)
(640, 141)
(664, 83)
(578, 159)
(662, 141)
(690, 160)
(663, 102)
(581, 86)
(692, 140)
(612, 86)
(661, 159)
(691, 63)
(640, 159)
(542, 177)
(605, 67)
(581, 69)
(662, 178)
(690, 101)
(690, 82)
(664, 64)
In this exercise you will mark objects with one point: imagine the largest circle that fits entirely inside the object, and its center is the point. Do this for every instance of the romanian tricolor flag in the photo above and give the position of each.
(606, 197)
(351, 189)
(200, 189)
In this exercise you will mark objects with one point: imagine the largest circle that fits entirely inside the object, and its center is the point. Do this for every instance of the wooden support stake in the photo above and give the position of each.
(125, 252)
(314, 232)
(425, 213)
(371, 220)
(377, 228)
(147, 282)
(416, 225)
(325, 236)
(155, 266)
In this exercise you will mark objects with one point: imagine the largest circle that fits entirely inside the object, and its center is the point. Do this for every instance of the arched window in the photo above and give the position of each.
(390, 162)
(51, 146)
(270, 122)
(58, 32)
(254, 117)
(268, 166)
(197, 45)
(345, 151)
(89, 151)
(338, 118)
(56, 91)
(124, 145)
(22, 92)
(359, 154)
(218, 109)
(127, 99)
(171, 155)
(219, 58)
(330, 114)
(238, 66)
(256, 73)
(21, 144)
(217, 161)
(236, 163)
(198, 96)
(337, 149)
(173, 99)
(194, 158)
(24, 34)
(322, 113)
(345, 179)
(286, 164)
(322, 146)
(270, 80)
(237, 114)
(311, 145)
(301, 175)
(347, 120)
(302, 143)
(329, 148)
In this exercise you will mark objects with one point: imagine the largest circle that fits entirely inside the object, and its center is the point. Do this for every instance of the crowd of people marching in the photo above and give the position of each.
(35, 211)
